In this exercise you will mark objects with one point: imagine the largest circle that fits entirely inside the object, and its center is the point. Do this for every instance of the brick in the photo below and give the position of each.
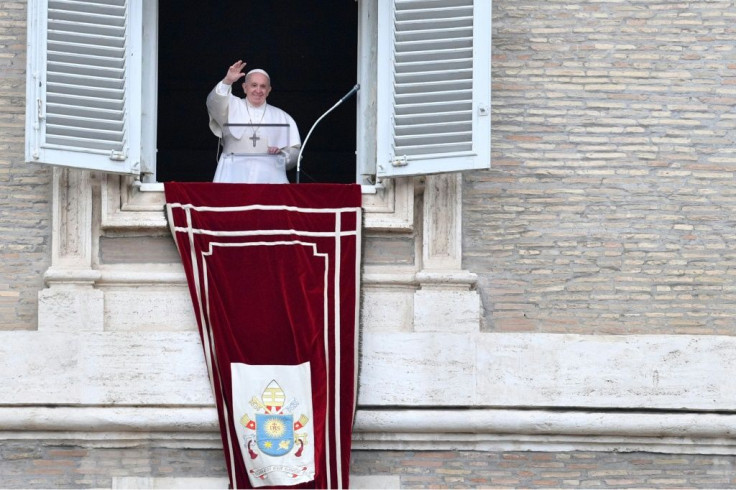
(633, 121)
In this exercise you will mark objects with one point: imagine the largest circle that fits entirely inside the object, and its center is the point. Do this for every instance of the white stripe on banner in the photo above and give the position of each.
(338, 360)
(261, 207)
(208, 340)
(199, 231)
(356, 322)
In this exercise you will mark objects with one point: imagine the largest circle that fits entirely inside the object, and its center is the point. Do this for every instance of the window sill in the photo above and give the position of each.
(129, 205)
(159, 187)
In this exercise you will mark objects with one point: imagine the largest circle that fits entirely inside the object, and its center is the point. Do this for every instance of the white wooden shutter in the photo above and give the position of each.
(434, 86)
(84, 82)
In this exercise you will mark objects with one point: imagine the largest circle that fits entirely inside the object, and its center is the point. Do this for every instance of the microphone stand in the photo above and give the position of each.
(344, 98)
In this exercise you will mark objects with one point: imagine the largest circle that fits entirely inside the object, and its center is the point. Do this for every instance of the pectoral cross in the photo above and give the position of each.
(254, 139)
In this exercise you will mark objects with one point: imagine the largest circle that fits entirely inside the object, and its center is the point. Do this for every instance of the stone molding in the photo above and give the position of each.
(129, 205)
(392, 429)
(446, 299)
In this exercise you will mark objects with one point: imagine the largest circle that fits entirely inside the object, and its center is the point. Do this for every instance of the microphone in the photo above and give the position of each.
(304, 145)
(349, 94)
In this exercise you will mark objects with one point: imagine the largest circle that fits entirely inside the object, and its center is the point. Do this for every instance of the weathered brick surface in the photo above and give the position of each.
(470, 469)
(35, 464)
(25, 192)
(609, 205)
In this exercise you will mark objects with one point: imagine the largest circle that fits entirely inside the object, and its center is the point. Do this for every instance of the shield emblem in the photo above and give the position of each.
(274, 433)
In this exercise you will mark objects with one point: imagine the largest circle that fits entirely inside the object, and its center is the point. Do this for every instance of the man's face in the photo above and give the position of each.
(257, 87)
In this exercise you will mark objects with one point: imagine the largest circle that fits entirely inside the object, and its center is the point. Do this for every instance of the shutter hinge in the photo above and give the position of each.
(39, 109)
(399, 161)
(118, 156)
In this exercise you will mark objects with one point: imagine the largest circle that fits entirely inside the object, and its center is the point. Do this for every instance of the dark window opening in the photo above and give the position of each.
(309, 52)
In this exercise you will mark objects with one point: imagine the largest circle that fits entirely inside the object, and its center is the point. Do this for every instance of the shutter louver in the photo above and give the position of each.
(84, 85)
(85, 77)
(436, 86)
(433, 96)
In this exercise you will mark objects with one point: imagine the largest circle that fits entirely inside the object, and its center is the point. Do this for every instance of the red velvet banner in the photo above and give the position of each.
(273, 272)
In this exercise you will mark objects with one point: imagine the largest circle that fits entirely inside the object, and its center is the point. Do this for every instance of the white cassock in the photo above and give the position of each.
(244, 156)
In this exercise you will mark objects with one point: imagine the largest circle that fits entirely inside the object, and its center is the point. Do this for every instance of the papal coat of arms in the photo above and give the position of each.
(275, 430)
(275, 433)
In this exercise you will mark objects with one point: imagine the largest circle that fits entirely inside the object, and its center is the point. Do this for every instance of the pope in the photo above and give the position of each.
(259, 141)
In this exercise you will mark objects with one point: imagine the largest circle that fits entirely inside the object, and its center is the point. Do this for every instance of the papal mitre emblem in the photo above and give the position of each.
(273, 397)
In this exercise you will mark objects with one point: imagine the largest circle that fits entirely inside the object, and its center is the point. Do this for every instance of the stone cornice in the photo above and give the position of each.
(462, 429)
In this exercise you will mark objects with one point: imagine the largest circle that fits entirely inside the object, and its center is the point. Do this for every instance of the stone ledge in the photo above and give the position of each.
(471, 429)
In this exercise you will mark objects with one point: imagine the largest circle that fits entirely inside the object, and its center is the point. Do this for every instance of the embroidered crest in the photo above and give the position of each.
(275, 430)
(274, 434)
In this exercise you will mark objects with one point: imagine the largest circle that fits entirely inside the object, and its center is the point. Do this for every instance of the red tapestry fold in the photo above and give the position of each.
(273, 272)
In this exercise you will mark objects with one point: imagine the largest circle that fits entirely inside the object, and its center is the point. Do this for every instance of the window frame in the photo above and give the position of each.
(149, 89)
(375, 75)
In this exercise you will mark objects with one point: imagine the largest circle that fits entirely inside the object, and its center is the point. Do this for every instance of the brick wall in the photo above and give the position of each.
(25, 192)
(467, 469)
(39, 464)
(35, 464)
(610, 205)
